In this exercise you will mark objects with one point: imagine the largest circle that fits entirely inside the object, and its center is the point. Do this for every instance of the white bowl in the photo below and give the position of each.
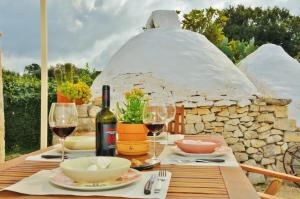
(80, 142)
(77, 169)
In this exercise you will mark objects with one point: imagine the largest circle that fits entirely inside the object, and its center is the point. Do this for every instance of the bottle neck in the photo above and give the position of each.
(105, 98)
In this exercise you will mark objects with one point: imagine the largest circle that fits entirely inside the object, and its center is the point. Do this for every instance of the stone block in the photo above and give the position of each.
(192, 111)
(247, 143)
(190, 129)
(266, 161)
(276, 132)
(232, 109)
(217, 124)
(227, 134)
(267, 108)
(273, 139)
(229, 127)
(237, 147)
(242, 128)
(254, 108)
(86, 124)
(97, 101)
(242, 109)
(271, 150)
(246, 119)
(281, 111)
(254, 126)
(82, 110)
(290, 136)
(209, 117)
(215, 109)
(221, 119)
(250, 162)
(223, 113)
(203, 111)
(255, 178)
(249, 135)
(285, 124)
(237, 134)
(266, 117)
(248, 124)
(207, 125)
(253, 114)
(241, 157)
(251, 150)
(218, 129)
(191, 119)
(264, 127)
(264, 135)
(93, 111)
(257, 143)
(233, 122)
(231, 140)
(199, 127)
(279, 102)
(257, 157)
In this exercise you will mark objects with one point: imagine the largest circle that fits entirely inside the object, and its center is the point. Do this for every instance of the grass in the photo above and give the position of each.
(16, 152)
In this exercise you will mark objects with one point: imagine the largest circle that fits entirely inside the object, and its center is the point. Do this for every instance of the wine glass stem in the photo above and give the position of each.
(167, 133)
(154, 146)
(62, 142)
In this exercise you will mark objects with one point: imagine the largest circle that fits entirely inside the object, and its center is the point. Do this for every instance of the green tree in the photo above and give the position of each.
(209, 22)
(272, 25)
(33, 70)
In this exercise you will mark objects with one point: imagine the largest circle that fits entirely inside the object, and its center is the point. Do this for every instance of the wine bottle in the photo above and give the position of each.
(105, 127)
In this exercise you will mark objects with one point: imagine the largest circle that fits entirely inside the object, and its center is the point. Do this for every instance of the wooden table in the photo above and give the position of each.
(201, 182)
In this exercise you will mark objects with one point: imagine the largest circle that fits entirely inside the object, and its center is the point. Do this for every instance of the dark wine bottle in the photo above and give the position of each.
(105, 127)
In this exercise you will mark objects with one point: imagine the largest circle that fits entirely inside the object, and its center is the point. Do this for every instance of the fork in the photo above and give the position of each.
(162, 175)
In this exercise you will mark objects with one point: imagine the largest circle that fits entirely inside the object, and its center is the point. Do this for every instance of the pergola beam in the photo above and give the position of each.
(2, 127)
(44, 74)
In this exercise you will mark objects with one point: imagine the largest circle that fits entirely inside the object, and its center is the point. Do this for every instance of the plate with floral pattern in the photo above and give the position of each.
(58, 178)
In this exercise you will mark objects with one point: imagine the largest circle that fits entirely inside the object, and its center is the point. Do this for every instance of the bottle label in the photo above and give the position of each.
(109, 136)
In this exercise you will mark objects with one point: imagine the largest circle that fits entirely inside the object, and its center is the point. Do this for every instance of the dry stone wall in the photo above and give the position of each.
(258, 130)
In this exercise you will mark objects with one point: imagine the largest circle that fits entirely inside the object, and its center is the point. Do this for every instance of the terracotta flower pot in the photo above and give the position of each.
(131, 132)
(60, 98)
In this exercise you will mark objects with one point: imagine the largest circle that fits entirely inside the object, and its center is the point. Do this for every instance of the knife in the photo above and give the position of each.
(143, 167)
(148, 185)
(210, 160)
(53, 156)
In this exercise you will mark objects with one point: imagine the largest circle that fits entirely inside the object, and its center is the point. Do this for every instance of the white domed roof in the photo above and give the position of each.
(275, 74)
(182, 57)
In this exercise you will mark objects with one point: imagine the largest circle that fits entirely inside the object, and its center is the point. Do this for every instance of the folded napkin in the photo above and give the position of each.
(162, 138)
(70, 155)
(167, 156)
(38, 184)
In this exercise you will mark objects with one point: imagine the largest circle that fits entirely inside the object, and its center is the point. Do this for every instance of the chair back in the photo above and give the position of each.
(177, 125)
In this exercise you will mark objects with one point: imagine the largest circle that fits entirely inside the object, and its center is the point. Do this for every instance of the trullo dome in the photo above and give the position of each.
(275, 74)
(184, 61)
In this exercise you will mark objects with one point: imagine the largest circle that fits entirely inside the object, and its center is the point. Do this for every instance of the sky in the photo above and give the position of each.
(89, 31)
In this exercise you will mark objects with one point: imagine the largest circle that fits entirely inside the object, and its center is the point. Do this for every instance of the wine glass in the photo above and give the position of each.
(63, 119)
(171, 111)
(154, 117)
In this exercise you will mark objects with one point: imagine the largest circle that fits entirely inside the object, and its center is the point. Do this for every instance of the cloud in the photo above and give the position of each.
(81, 31)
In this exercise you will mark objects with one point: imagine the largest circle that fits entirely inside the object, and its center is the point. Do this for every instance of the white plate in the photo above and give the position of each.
(60, 179)
(223, 151)
(58, 149)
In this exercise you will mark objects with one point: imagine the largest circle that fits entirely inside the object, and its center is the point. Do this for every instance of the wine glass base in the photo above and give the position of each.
(152, 161)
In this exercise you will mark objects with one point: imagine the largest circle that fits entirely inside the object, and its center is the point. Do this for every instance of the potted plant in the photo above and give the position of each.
(69, 87)
(130, 115)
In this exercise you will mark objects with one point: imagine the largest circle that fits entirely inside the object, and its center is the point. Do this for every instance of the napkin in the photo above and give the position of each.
(38, 184)
(162, 138)
(167, 156)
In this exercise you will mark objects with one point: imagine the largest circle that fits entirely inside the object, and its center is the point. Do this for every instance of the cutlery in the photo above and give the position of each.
(143, 167)
(53, 156)
(148, 185)
(162, 175)
(202, 160)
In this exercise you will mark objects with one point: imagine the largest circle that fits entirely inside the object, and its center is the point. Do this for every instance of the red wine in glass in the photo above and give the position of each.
(155, 127)
(63, 131)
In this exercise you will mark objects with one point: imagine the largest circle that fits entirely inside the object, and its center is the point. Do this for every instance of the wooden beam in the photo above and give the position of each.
(44, 75)
(2, 127)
